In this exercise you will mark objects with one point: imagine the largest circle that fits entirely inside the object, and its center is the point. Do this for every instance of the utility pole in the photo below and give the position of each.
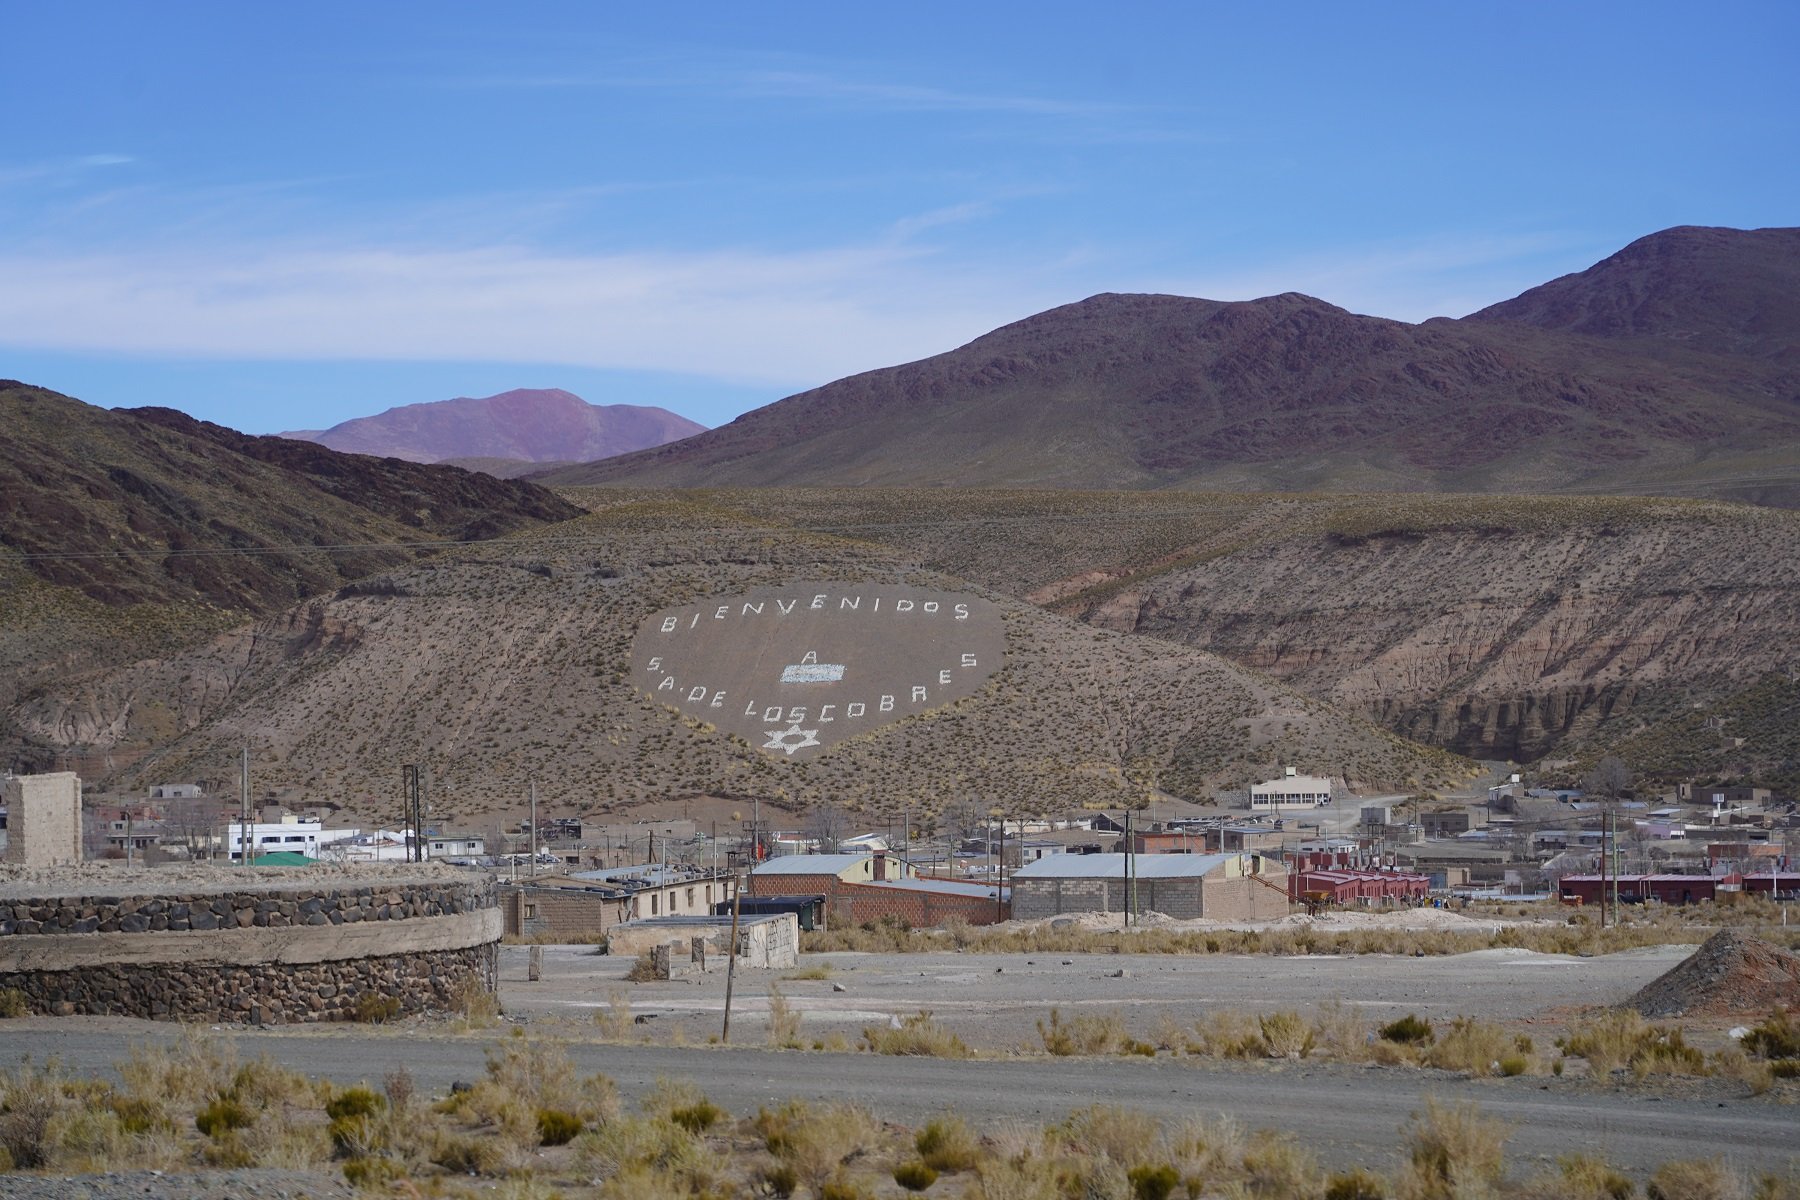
(737, 903)
(246, 854)
(533, 785)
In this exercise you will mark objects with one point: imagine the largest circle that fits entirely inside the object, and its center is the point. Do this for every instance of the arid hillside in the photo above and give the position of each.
(127, 534)
(509, 661)
(1497, 626)
(1672, 368)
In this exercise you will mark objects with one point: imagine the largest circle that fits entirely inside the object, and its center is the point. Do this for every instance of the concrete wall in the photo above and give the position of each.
(43, 819)
(768, 940)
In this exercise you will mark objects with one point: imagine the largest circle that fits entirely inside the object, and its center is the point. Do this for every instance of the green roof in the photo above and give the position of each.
(283, 858)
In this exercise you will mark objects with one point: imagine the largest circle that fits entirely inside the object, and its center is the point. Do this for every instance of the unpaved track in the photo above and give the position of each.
(1345, 1115)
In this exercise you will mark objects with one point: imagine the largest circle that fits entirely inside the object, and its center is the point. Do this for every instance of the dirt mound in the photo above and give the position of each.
(1731, 972)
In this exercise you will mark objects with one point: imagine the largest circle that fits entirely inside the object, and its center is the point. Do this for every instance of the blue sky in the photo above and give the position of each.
(283, 216)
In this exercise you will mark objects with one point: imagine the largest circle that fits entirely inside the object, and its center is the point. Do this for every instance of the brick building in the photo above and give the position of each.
(570, 906)
(858, 888)
(1236, 887)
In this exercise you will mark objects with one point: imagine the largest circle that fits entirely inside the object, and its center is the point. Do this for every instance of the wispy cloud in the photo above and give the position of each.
(789, 320)
(59, 169)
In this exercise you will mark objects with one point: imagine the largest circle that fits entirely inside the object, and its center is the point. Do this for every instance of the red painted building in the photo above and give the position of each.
(1345, 887)
(1635, 889)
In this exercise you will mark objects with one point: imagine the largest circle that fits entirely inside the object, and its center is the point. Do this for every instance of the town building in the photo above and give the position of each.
(43, 819)
(1291, 791)
(1238, 887)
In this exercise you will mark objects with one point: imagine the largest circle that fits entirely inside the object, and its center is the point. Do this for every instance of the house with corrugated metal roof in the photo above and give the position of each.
(1236, 887)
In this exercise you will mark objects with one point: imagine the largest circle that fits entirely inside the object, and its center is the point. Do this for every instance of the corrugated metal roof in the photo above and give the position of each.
(1112, 866)
(811, 864)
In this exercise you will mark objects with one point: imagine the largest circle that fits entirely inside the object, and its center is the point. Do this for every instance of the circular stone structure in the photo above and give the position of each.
(267, 946)
(795, 670)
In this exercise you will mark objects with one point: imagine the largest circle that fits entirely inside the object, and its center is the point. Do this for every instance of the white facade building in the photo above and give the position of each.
(1292, 790)
(272, 837)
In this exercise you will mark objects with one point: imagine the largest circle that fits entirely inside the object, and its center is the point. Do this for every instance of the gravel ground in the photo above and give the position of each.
(207, 1185)
(994, 1001)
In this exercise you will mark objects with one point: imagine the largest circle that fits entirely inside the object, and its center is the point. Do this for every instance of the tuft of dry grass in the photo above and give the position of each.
(1452, 1152)
(784, 1021)
(916, 1035)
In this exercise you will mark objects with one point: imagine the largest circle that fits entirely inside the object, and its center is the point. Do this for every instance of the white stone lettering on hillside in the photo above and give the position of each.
(862, 656)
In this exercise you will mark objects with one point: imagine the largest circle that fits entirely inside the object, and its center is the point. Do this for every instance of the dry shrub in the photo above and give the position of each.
(816, 1142)
(1228, 1035)
(1341, 1032)
(1355, 1184)
(13, 1003)
(614, 1019)
(1126, 1136)
(1410, 1030)
(1276, 1166)
(947, 1145)
(1204, 1149)
(1580, 1177)
(917, 1035)
(784, 1022)
(1087, 1033)
(184, 1073)
(1733, 1063)
(1694, 1179)
(1776, 1037)
(638, 1142)
(644, 969)
(1607, 1042)
(1022, 1179)
(1453, 1153)
(475, 1004)
(1472, 1046)
(536, 1070)
(1623, 1039)
(812, 971)
(1285, 1035)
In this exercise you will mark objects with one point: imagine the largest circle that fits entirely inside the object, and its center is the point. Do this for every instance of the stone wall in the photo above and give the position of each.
(277, 954)
(273, 908)
(268, 993)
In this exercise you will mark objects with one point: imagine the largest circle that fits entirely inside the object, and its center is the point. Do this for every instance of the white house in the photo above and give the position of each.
(1292, 790)
(270, 837)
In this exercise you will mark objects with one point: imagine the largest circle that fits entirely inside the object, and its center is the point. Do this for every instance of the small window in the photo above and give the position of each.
(530, 912)
(653, 903)
(690, 897)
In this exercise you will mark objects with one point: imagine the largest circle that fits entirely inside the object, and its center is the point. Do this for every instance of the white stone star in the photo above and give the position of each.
(778, 740)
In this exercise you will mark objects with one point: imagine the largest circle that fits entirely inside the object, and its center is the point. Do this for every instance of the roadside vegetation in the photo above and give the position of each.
(533, 1126)
(1546, 928)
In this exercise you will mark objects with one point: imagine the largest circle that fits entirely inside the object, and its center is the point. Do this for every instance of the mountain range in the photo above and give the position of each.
(523, 426)
(172, 589)
(1671, 367)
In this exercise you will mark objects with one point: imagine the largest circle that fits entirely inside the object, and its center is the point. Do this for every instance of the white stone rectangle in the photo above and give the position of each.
(812, 673)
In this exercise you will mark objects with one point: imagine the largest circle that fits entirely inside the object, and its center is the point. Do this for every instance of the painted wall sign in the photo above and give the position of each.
(795, 670)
